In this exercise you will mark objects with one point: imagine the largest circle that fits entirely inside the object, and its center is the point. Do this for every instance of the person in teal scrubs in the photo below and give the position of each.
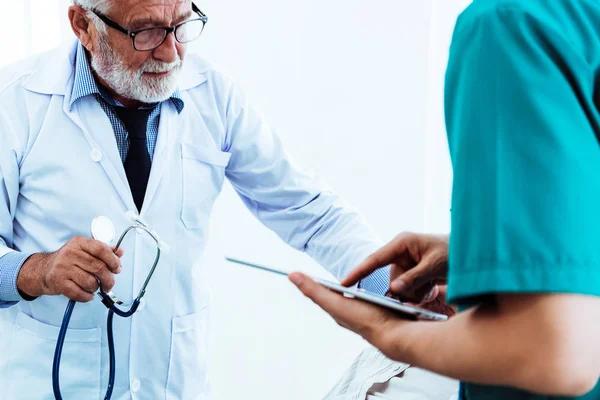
(523, 122)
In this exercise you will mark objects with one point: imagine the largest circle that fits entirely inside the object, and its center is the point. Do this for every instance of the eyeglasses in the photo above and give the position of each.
(151, 38)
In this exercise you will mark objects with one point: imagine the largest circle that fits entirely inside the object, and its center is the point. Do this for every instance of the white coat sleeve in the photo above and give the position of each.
(10, 260)
(300, 209)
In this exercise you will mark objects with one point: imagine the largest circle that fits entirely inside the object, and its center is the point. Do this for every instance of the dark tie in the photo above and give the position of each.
(137, 163)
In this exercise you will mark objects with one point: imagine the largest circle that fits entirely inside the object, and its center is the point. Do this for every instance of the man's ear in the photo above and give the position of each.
(81, 26)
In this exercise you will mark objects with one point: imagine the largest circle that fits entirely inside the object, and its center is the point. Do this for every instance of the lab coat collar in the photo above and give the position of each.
(54, 72)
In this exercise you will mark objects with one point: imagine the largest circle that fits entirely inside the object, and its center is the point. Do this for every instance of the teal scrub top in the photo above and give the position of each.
(523, 122)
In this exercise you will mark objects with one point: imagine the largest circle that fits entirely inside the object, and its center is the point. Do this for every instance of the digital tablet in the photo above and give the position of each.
(403, 309)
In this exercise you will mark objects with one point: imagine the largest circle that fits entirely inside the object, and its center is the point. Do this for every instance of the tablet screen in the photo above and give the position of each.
(404, 309)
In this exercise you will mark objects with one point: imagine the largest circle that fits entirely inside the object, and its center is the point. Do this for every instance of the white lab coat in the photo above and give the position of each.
(60, 169)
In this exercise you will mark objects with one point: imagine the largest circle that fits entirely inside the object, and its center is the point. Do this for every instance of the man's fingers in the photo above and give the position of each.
(431, 295)
(103, 253)
(329, 301)
(119, 252)
(74, 292)
(371, 264)
(107, 280)
(84, 280)
(443, 292)
(412, 280)
(361, 317)
(310, 288)
(98, 269)
(381, 258)
(417, 282)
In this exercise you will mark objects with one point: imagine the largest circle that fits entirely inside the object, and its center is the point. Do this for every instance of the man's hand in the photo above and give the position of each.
(366, 319)
(437, 302)
(380, 326)
(74, 270)
(419, 263)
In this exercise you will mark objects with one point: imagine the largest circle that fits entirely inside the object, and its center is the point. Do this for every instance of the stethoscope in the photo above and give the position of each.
(103, 230)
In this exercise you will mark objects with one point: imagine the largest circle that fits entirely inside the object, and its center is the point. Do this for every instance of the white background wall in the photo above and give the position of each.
(345, 85)
(355, 90)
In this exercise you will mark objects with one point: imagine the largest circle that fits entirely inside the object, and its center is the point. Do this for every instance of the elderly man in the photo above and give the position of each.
(122, 120)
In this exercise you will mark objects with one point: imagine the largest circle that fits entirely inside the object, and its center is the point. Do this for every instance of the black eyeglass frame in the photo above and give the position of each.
(168, 29)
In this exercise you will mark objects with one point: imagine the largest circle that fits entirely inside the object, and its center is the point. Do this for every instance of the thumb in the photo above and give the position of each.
(331, 302)
(306, 285)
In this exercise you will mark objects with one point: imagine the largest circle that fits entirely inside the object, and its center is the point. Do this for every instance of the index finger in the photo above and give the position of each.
(381, 258)
(102, 252)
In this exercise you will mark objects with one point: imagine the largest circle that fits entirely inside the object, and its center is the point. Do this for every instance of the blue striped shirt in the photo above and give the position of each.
(378, 282)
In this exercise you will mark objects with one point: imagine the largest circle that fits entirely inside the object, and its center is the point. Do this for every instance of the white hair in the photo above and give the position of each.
(102, 6)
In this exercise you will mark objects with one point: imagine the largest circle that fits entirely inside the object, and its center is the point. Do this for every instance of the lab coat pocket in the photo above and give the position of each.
(203, 174)
(29, 372)
(187, 365)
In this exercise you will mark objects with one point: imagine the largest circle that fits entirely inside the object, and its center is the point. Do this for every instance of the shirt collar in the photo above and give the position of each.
(85, 84)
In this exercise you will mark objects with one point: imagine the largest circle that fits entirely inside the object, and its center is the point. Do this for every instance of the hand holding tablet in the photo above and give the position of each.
(402, 309)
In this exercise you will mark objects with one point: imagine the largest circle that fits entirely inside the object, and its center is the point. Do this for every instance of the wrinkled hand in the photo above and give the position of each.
(73, 271)
(419, 264)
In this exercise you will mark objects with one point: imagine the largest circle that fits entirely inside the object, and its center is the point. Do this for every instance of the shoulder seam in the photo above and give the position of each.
(12, 82)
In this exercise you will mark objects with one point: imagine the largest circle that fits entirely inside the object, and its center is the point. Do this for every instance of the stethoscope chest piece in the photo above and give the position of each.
(103, 230)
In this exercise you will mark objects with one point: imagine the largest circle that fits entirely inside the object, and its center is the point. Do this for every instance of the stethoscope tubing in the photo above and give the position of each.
(112, 310)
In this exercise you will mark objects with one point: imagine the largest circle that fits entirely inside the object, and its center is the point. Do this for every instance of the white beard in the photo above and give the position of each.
(134, 85)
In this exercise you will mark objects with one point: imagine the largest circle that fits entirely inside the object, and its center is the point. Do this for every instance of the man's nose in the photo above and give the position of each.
(167, 51)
